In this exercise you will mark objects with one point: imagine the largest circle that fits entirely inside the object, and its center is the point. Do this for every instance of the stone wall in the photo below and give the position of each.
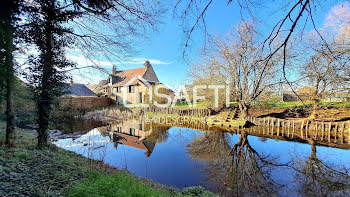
(84, 102)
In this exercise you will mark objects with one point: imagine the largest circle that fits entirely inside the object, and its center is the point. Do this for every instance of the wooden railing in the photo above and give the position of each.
(178, 111)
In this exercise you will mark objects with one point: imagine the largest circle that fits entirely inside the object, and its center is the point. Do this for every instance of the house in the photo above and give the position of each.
(79, 96)
(75, 89)
(133, 85)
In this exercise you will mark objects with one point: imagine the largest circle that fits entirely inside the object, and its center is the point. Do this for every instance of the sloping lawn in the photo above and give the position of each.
(27, 171)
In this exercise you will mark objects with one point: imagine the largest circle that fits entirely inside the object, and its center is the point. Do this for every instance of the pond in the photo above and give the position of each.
(227, 162)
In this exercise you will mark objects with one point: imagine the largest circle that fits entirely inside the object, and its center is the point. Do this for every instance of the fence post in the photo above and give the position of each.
(329, 132)
(336, 133)
(301, 129)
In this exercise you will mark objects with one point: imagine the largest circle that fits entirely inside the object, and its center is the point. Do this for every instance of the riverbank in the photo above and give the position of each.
(27, 171)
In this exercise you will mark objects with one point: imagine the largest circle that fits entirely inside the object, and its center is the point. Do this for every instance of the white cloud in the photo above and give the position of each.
(81, 60)
(142, 61)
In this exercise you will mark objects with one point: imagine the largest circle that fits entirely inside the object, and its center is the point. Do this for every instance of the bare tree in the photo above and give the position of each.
(325, 70)
(210, 146)
(238, 58)
(295, 13)
(207, 76)
(317, 177)
(236, 171)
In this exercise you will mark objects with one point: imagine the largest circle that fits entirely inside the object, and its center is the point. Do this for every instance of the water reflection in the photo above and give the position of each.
(235, 171)
(136, 134)
(228, 162)
(317, 177)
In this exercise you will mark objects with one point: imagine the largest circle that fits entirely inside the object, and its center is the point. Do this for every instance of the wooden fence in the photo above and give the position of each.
(331, 132)
(178, 111)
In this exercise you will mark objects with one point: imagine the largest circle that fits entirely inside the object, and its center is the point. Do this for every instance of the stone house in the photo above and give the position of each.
(76, 89)
(131, 84)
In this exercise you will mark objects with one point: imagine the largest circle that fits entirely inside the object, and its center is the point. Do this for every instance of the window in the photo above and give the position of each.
(132, 131)
(117, 89)
(131, 89)
(140, 126)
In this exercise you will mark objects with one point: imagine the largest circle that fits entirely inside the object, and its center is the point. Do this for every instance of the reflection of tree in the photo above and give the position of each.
(316, 177)
(243, 171)
(209, 146)
(249, 172)
(159, 133)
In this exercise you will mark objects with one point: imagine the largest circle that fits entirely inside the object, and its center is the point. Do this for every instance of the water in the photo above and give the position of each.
(229, 163)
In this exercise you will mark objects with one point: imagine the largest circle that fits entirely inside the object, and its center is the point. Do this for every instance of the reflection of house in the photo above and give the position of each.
(133, 141)
(132, 134)
(134, 84)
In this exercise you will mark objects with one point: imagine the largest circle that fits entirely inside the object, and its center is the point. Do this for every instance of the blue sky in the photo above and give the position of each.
(164, 48)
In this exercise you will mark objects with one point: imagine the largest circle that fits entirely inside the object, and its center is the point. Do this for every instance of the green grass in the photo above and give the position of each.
(278, 104)
(199, 105)
(117, 184)
(308, 104)
(27, 171)
(289, 104)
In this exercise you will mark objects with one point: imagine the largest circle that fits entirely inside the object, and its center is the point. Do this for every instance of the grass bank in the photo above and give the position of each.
(27, 171)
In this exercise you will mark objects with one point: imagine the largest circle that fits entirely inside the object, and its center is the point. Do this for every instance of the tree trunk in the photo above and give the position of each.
(244, 110)
(10, 123)
(316, 107)
(45, 98)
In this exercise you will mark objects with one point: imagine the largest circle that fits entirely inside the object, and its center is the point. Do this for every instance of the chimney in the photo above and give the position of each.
(71, 83)
(147, 64)
(114, 70)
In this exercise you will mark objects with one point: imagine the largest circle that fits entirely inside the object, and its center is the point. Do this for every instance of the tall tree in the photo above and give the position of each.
(55, 26)
(326, 71)
(49, 35)
(239, 58)
(9, 9)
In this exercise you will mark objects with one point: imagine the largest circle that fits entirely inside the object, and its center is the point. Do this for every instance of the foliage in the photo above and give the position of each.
(197, 191)
(23, 103)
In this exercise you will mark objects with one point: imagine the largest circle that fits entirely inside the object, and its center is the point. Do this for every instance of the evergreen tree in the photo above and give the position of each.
(8, 12)
(51, 37)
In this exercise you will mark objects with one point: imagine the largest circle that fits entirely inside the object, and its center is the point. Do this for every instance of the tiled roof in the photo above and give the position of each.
(78, 89)
(123, 77)
(133, 141)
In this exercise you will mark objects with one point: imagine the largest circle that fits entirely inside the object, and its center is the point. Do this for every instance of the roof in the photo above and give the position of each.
(121, 78)
(78, 89)
(133, 141)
